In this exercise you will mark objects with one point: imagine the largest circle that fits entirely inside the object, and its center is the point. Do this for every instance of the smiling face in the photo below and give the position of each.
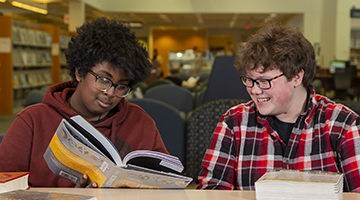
(285, 99)
(92, 103)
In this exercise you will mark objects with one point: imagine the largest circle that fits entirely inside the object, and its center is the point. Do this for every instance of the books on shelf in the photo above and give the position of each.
(32, 194)
(31, 78)
(10, 181)
(298, 184)
(31, 37)
(31, 58)
(77, 148)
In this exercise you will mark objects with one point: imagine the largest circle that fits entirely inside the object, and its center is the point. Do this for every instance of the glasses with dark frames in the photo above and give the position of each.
(262, 83)
(104, 84)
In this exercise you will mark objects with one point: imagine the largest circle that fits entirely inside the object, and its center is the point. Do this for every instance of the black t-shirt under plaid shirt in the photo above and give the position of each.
(244, 146)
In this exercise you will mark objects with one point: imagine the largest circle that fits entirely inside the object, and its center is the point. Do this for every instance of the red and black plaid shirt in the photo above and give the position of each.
(244, 146)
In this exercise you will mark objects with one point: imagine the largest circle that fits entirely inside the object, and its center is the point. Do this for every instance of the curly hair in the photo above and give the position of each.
(276, 46)
(107, 40)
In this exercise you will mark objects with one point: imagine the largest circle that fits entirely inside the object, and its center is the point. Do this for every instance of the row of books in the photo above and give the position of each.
(30, 37)
(65, 75)
(64, 41)
(31, 57)
(62, 58)
(31, 78)
(355, 39)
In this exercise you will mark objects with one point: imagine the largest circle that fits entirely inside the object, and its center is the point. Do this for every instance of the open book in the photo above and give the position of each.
(78, 148)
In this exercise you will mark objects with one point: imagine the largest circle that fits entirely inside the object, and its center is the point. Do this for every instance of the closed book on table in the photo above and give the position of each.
(10, 181)
(299, 184)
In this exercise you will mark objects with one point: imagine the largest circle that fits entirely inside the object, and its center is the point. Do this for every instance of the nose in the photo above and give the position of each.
(255, 89)
(110, 91)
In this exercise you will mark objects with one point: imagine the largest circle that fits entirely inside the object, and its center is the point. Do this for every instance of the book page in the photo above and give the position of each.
(154, 160)
(69, 158)
(97, 138)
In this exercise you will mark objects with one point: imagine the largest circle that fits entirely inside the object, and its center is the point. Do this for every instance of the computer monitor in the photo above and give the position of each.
(338, 65)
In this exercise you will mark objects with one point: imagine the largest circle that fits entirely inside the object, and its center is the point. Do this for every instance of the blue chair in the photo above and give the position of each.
(199, 97)
(174, 95)
(170, 123)
(224, 81)
(34, 96)
(1, 137)
(201, 123)
(158, 82)
(353, 105)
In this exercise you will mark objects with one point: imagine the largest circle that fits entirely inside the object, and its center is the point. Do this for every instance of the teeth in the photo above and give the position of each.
(264, 100)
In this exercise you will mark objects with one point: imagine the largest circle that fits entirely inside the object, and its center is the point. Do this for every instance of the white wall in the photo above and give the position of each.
(323, 22)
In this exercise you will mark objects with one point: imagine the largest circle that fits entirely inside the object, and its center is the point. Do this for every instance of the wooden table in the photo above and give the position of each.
(180, 194)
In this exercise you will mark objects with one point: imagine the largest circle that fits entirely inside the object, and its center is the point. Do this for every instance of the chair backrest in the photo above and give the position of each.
(199, 97)
(170, 123)
(158, 82)
(201, 123)
(353, 105)
(204, 75)
(1, 137)
(317, 85)
(174, 95)
(224, 81)
(343, 78)
(34, 96)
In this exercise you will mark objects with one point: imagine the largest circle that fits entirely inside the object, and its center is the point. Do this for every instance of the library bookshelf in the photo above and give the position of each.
(29, 59)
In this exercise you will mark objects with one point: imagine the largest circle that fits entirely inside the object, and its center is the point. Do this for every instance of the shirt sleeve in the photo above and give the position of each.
(218, 165)
(15, 148)
(349, 156)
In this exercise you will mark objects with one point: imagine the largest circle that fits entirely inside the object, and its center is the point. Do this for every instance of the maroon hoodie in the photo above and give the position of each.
(25, 142)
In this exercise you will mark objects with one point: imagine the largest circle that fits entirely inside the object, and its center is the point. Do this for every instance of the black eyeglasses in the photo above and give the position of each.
(260, 82)
(104, 84)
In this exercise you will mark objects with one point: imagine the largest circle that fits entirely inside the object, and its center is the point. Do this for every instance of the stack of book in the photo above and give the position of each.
(297, 184)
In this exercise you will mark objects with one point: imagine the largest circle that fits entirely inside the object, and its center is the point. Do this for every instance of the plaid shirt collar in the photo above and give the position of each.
(307, 114)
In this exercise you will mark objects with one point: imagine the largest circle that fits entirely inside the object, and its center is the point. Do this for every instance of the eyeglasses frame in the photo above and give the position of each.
(97, 76)
(257, 83)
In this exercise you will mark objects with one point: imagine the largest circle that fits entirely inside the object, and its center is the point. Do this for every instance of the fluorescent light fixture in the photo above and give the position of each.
(2, 1)
(32, 6)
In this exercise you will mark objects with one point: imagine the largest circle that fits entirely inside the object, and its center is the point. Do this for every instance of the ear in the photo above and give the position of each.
(78, 77)
(298, 78)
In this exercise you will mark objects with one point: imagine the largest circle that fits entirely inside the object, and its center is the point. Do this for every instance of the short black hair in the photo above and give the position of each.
(107, 40)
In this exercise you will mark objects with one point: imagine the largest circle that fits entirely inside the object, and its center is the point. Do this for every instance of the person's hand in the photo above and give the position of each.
(83, 181)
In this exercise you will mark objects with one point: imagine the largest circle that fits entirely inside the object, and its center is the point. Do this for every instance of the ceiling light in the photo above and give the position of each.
(32, 6)
(2, 1)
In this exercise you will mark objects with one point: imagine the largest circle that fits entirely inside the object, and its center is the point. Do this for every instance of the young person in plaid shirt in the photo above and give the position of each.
(285, 125)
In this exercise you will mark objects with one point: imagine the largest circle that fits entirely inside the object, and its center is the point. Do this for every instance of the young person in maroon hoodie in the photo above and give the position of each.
(104, 60)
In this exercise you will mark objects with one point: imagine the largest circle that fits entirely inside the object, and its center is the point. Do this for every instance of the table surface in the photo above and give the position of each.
(162, 194)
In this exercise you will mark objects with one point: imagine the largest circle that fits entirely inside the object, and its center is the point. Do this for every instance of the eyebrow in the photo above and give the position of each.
(108, 74)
